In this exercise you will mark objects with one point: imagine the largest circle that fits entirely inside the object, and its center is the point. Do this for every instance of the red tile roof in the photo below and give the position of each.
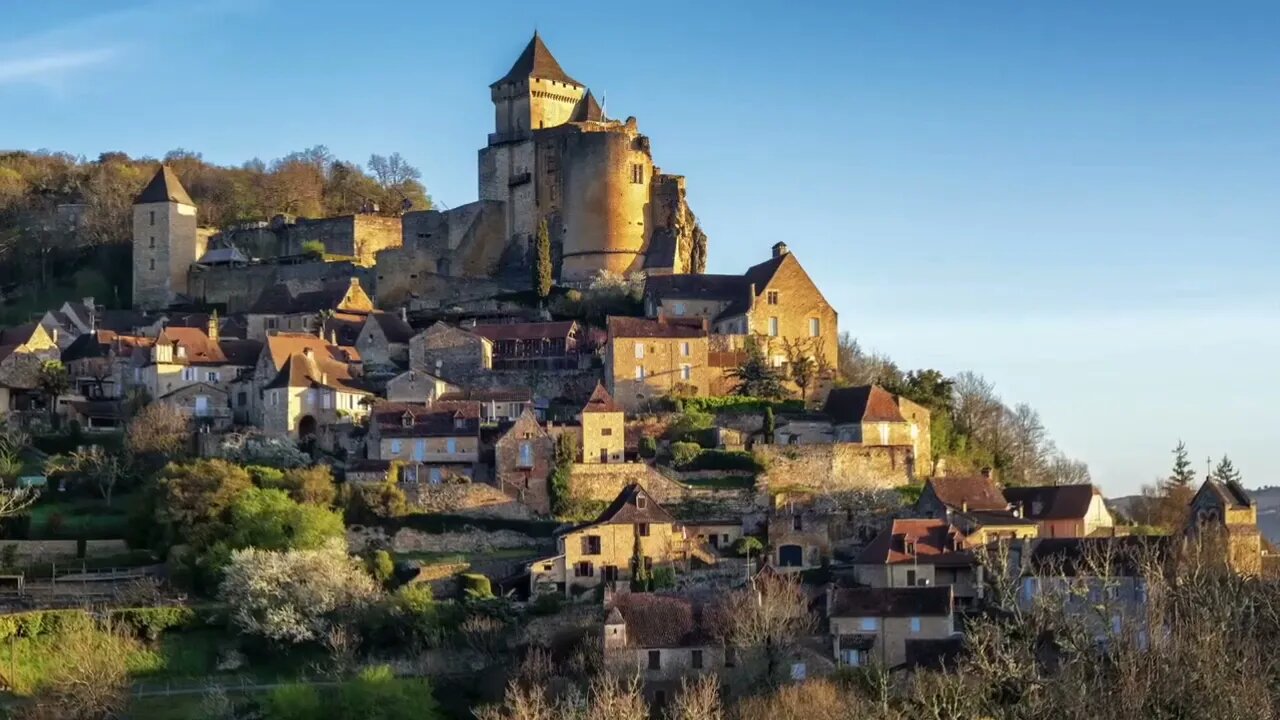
(865, 403)
(601, 401)
(634, 327)
(439, 419)
(933, 542)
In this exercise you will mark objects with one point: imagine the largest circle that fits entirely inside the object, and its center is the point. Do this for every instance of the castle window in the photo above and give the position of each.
(637, 173)
(153, 242)
(153, 222)
(771, 297)
(153, 263)
(686, 372)
(815, 327)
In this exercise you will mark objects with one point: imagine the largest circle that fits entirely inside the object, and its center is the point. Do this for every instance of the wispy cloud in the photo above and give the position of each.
(51, 67)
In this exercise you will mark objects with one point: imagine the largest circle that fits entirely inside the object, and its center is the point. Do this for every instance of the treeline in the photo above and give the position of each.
(37, 244)
(972, 427)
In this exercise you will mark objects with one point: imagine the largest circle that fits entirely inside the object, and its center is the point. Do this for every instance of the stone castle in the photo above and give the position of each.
(553, 157)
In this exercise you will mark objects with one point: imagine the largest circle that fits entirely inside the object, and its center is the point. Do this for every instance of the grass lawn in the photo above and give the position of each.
(87, 517)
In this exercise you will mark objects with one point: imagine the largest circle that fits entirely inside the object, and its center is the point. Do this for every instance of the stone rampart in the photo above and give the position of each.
(836, 466)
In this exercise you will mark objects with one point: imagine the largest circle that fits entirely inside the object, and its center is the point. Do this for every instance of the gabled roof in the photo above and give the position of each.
(526, 330)
(439, 419)
(891, 602)
(164, 187)
(19, 334)
(218, 256)
(89, 345)
(393, 327)
(974, 493)
(282, 299)
(864, 403)
(283, 345)
(1052, 502)
(934, 542)
(313, 371)
(197, 347)
(634, 327)
(722, 288)
(536, 61)
(240, 352)
(1230, 493)
(1085, 556)
(601, 401)
(626, 509)
(343, 328)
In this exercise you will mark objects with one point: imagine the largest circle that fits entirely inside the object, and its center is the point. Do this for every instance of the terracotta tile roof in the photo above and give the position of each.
(303, 371)
(439, 419)
(1052, 502)
(536, 61)
(489, 395)
(526, 331)
(199, 349)
(864, 403)
(991, 518)
(164, 187)
(283, 345)
(633, 327)
(601, 401)
(933, 541)
(968, 493)
(891, 602)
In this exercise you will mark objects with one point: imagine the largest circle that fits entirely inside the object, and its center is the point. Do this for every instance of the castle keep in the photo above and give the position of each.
(553, 157)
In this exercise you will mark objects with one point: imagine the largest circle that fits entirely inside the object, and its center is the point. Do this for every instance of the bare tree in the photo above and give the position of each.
(698, 699)
(771, 614)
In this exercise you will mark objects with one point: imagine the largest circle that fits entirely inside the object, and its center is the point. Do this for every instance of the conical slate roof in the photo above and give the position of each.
(587, 110)
(164, 187)
(536, 61)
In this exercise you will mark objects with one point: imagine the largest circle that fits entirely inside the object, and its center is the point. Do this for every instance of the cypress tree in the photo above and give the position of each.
(542, 262)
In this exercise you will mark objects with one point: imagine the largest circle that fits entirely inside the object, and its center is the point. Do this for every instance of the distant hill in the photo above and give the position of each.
(1267, 498)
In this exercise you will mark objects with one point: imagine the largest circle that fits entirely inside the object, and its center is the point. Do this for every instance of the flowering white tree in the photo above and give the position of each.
(295, 596)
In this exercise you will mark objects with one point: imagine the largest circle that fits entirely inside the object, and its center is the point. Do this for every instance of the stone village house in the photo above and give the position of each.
(881, 625)
(523, 457)
(312, 392)
(1062, 510)
(433, 442)
(646, 359)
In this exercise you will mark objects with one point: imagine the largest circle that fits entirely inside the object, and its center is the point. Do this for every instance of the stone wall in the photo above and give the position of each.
(473, 499)
(361, 538)
(603, 482)
(63, 550)
(236, 288)
(524, 476)
(835, 467)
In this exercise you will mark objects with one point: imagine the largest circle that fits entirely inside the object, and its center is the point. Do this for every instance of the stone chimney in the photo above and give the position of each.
(780, 249)
(212, 331)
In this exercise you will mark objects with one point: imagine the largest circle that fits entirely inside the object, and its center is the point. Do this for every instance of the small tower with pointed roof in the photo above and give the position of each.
(165, 241)
(603, 429)
(535, 93)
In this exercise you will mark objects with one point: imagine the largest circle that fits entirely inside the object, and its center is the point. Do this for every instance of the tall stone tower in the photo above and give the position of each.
(534, 94)
(165, 241)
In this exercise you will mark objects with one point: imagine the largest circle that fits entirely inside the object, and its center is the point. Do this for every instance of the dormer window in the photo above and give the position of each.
(459, 423)
(180, 351)
(641, 502)
(407, 419)
(911, 547)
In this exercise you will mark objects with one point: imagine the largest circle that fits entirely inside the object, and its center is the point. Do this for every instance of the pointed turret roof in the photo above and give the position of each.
(536, 61)
(588, 110)
(164, 187)
(600, 401)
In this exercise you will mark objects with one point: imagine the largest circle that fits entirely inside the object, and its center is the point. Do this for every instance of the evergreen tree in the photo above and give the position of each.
(1183, 476)
(641, 576)
(756, 377)
(542, 262)
(770, 424)
(1226, 471)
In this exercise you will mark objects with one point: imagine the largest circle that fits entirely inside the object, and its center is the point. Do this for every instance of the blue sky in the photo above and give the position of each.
(1081, 201)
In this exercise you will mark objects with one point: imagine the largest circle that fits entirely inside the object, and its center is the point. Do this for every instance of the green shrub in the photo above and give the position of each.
(648, 447)
(683, 454)
(688, 424)
(382, 567)
(266, 477)
(748, 545)
(732, 460)
(664, 578)
(740, 404)
(314, 248)
(151, 622)
(36, 623)
(294, 702)
(475, 586)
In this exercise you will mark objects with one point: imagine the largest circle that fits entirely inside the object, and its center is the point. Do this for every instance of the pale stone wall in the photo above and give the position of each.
(664, 544)
(892, 634)
(475, 499)
(666, 363)
(603, 482)
(524, 475)
(361, 538)
(449, 353)
(237, 288)
(603, 437)
(165, 243)
(835, 466)
(799, 301)
(466, 449)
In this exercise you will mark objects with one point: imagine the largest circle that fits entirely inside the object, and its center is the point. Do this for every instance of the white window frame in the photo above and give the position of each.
(815, 327)
(189, 374)
(640, 372)
(639, 351)
(326, 399)
(212, 376)
(685, 349)
(526, 454)
(773, 326)
(686, 372)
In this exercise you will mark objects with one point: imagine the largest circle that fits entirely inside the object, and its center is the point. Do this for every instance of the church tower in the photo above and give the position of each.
(534, 94)
(165, 241)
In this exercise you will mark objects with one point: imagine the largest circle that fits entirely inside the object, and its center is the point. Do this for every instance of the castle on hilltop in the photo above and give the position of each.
(553, 157)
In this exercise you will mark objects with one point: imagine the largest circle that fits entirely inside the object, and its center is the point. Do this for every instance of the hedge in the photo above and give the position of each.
(740, 404)
(725, 460)
(148, 622)
(684, 454)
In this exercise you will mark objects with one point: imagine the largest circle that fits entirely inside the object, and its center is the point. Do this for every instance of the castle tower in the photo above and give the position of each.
(165, 241)
(534, 94)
